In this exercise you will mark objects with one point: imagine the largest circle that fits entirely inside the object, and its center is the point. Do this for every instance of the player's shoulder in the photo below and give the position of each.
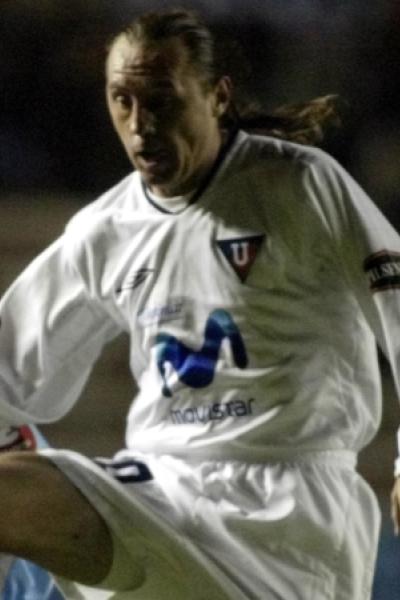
(298, 187)
(292, 174)
(119, 197)
(89, 227)
(267, 150)
(97, 215)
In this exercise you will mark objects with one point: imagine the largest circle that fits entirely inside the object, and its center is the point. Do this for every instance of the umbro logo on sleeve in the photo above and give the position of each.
(134, 280)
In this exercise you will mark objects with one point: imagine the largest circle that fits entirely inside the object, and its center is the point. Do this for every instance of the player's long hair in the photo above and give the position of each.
(304, 123)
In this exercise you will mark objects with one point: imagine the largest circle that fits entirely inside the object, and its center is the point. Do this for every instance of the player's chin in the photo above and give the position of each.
(157, 177)
(152, 180)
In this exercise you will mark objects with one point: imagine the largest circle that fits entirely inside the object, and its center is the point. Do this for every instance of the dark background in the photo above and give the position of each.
(58, 150)
(54, 131)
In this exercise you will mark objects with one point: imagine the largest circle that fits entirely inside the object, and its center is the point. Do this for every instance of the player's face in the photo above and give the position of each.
(164, 114)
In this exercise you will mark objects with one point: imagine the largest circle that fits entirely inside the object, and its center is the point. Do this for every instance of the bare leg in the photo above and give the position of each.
(44, 518)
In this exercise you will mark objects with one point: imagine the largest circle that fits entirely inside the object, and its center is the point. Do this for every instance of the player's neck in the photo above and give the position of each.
(189, 186)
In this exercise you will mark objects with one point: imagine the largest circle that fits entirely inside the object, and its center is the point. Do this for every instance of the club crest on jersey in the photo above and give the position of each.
(241, 253)
(383, 270)
(196, 368)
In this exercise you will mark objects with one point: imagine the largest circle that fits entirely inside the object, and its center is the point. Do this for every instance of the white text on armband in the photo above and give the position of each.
(383, 270)
(213, 412)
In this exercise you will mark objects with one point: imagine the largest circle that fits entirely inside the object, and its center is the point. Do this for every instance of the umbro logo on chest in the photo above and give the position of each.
(241, 253)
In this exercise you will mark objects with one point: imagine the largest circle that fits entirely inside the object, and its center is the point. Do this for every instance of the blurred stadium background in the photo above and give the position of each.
(58, 151)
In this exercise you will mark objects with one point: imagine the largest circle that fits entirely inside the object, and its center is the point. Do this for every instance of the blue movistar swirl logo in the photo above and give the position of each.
(196, 368)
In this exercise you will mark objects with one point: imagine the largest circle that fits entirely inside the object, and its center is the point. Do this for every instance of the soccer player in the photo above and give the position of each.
(254, 277)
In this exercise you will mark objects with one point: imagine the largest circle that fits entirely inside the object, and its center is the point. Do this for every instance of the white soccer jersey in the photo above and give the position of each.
(252, 311)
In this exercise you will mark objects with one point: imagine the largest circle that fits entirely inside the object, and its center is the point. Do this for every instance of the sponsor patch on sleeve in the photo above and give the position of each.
(383, 270)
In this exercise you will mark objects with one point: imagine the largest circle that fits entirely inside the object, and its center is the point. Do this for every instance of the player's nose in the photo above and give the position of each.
(141, 121)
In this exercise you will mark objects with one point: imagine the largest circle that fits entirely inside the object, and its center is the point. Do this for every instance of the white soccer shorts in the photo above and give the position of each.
(220, 530)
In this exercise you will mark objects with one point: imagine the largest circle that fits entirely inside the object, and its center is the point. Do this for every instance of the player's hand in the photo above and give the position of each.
(395, 505)
(16, 438)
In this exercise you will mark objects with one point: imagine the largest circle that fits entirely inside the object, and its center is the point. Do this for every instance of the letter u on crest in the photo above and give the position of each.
(240, 253)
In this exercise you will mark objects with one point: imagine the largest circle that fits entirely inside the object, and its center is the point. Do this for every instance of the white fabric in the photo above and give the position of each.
(225, 530)
(175, 204)
(253, 313)
(305, 312)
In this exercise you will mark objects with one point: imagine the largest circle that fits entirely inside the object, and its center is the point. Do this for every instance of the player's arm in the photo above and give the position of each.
(395, 495)
(51, 333)
(395, 505)
(369, 251)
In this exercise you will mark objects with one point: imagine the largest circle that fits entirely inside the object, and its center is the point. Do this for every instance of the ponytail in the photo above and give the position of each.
(303, 123)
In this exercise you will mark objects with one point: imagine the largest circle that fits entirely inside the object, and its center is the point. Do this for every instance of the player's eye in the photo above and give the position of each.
(124, 101)
(162, 103)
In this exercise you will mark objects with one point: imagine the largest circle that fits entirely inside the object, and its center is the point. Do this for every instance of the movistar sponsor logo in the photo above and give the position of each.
(213, 412)
(196, 368)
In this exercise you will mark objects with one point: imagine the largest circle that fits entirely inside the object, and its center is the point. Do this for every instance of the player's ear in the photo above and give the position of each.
(222, 95)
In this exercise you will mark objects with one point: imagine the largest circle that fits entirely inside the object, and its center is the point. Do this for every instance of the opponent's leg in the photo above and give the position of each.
(45, 519)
